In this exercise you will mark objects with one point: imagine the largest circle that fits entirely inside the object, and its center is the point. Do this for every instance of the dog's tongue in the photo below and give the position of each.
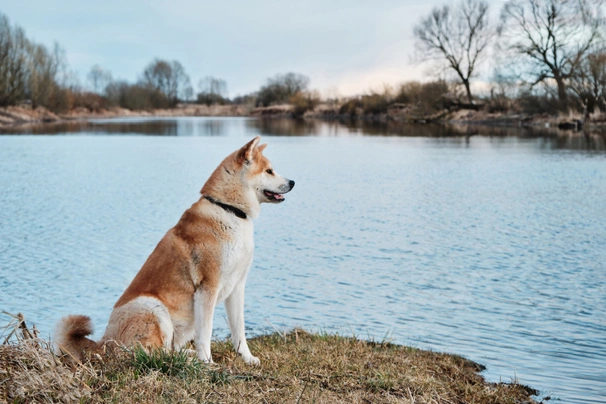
(278, 196)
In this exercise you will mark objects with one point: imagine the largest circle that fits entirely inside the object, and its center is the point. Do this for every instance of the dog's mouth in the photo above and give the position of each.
(273, 196)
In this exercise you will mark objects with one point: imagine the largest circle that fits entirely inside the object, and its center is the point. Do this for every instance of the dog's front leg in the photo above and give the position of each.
(234, 306)
(205, 301)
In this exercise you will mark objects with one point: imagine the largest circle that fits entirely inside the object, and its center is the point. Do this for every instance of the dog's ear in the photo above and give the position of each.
(246, 152)
(261, 148)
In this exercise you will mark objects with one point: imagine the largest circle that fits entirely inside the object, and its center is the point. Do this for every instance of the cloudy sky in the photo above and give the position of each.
(345, 45)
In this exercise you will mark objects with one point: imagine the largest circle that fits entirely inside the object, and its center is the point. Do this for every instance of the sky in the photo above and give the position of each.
(345, 47)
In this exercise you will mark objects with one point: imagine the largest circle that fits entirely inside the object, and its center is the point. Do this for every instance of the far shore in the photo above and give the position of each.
(24, 116)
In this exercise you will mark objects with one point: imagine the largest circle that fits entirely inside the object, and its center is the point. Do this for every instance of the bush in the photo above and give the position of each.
(60, 100)
(375, 103)
(350, 107)
(532, 103)
(304, 101)
(425, 98)
(211, 99)
(499, 104)
(91, 101)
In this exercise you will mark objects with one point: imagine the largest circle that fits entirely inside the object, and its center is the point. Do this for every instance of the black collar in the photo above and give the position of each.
(228, 208)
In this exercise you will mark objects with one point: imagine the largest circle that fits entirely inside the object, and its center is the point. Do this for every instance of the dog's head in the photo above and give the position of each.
(259, 174)
(246, 178)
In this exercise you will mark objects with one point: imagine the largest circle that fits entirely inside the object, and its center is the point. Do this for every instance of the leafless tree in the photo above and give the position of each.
(213, 85)
(589, 83)
(551, 36)
(212, 91)
(457, 36)
(13, 69)
(169, 78)
(44, 67)
(281, 88)
(99, 78)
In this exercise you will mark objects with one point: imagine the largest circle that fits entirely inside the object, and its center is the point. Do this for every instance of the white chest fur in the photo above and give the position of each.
(237, 257)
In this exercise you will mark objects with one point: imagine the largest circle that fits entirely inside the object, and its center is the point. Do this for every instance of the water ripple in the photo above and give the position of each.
(489, 248)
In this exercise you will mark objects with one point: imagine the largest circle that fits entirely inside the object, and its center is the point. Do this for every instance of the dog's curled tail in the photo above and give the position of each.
(70, 337)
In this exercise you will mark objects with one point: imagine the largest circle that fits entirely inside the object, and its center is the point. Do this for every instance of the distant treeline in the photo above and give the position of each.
(547, 56)
(31, 73)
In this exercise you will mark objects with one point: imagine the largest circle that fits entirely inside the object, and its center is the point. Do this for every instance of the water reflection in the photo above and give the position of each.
(128, 126)
(100, 127)
(552, 138)
(486, 246)
(549, 138)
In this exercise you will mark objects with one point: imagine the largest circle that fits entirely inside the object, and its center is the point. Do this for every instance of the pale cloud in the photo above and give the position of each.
(374, 79)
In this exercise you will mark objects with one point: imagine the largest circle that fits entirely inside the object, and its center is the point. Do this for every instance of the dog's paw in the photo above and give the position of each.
(251, 360)
(190, 352)
(204, 359)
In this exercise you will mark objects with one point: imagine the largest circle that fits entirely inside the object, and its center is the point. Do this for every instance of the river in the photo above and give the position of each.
(488, 243)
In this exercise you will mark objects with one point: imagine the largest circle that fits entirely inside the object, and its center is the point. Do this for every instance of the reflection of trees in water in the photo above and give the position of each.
(212, 127)
(159, 127)
(548, 138)
(287, 127)
(143, 127)
(551, 137)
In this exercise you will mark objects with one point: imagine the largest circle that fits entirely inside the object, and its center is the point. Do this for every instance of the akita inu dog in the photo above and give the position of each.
(200, 262)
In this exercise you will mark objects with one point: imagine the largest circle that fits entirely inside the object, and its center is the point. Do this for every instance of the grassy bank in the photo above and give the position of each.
(295, 367)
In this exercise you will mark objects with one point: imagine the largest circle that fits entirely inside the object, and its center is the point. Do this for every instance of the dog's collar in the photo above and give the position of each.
(227, 207)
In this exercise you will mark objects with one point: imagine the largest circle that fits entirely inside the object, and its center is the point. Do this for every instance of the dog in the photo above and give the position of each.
(202, 261)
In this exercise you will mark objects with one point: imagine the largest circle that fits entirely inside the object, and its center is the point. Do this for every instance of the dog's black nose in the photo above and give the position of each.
(291, 183)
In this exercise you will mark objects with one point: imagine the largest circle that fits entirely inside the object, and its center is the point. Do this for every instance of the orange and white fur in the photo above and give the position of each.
(202, 261)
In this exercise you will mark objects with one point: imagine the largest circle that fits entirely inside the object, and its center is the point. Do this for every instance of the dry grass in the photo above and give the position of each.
(297, 367)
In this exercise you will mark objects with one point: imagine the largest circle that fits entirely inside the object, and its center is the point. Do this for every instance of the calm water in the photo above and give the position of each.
(491, 247)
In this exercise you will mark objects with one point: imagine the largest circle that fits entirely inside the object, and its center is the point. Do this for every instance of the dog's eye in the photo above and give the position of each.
(269, 171)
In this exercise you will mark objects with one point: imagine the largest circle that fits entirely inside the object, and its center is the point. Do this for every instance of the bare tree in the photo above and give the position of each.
(99, 78)
(589, 83)
(212, 91)
(44, 68)
(213, 85)
(169, 78)
(551, 36)
(13, 68)
(281, 88)
(458, 36)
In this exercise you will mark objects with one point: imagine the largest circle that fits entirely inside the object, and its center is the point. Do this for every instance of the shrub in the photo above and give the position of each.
(425, 98)
(211, 99)
(498, 103)
(532, 103)
(304, 101)
(60, 100)
(350, 107)
(91, 101)
(375, 103)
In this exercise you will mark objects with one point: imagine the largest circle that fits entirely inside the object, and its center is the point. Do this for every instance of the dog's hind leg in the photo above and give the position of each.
(234, 306)
(205, 301)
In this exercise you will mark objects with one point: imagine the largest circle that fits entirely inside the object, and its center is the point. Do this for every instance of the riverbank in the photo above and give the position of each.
(295, 367)
(23, 116)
